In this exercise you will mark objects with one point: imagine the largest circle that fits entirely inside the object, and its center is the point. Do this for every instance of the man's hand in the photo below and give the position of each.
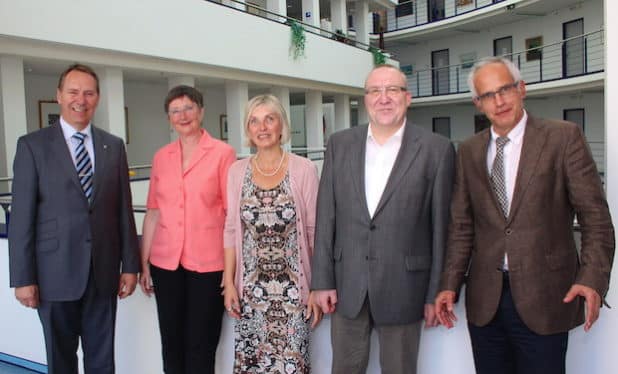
(128, 281)
(430, 316)
(444, 308)
(326, 299)
(28, 295)
(593, 302)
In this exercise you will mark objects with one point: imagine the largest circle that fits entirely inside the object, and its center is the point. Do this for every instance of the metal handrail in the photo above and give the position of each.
(308, 27)
(428, 19)
(549, 65)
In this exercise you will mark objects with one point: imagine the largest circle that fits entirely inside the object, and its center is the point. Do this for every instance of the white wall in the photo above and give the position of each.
(220, 39)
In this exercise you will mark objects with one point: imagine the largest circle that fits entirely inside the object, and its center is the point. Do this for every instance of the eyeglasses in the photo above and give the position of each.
(186, 110)
(390, 91)
(503, 91)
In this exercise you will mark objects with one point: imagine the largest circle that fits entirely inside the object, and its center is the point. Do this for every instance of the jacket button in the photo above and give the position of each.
(508, 231)
(372, 227)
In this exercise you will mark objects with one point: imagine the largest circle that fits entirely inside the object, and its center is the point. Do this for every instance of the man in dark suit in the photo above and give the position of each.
(72, 230)
(382, 216)
(517, 189)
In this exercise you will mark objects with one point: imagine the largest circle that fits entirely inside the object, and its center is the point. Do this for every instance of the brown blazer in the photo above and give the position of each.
(556, 179)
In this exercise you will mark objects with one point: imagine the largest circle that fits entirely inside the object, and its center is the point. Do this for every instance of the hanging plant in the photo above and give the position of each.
(297, 41)
(379, 57)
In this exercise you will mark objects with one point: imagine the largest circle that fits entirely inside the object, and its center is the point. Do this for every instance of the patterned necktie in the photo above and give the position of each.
(497, 175)
(83, 164)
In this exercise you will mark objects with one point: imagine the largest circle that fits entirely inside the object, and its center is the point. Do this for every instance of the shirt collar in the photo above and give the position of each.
(397, 136)
(68, 131)
(517, 133)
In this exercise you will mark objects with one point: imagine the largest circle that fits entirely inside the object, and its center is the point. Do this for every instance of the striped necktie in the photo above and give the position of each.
(497, 175)
(83, 164)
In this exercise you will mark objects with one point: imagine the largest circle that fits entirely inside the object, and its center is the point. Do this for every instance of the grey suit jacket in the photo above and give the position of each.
(394, 258)
(556, 178)
(55, 235)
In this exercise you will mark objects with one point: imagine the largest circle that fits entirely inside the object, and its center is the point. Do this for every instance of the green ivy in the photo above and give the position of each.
(297, 41)
(379, 58)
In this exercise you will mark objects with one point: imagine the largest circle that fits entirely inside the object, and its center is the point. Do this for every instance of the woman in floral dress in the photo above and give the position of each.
(268, 243)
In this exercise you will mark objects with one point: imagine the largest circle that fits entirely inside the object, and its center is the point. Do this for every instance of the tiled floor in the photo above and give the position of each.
(12, 369)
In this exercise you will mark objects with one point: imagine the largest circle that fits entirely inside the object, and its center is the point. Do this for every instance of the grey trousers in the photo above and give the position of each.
(350, 339)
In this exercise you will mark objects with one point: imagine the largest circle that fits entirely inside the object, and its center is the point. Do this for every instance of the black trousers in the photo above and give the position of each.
(190, 308)
(93, 318)
(507, 346)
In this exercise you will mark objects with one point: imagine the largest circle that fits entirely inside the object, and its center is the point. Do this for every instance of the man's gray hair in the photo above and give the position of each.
(515, 73)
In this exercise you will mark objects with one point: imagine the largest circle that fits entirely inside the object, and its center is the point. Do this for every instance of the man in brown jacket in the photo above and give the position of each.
(518, 186)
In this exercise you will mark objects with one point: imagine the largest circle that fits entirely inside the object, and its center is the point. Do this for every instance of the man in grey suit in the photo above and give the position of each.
(383, 207)
(72, 230)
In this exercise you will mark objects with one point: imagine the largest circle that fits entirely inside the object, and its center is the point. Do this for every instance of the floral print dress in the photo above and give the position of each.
(272, 334)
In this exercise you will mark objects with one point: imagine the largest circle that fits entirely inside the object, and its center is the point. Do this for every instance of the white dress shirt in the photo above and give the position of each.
(512, 152)
(379, 161)
(68, 131)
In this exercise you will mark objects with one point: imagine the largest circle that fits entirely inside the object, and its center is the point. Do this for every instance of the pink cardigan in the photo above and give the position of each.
(304, 185)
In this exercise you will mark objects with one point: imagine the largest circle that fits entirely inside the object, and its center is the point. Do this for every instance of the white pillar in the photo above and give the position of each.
(361, 21)
(283, 94)
(314, 119)
(338, 15)
(239, 4)
(606, 329)
(236, 97)
(13, 108)
(277, 6)
(311, 12)
(342, 112)
(110, 114)
(177, 81)
(363, 117)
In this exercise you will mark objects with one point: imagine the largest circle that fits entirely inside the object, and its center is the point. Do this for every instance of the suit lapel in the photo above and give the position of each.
(531, 149)
(61, 151)
(480, 161)
(357, 166)
(204, 145)
(101, 150)
(407, 153)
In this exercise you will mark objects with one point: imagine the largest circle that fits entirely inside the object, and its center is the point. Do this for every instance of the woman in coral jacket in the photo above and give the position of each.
(182, 244)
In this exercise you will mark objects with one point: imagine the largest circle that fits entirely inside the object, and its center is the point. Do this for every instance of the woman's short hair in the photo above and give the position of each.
(273, 103)
(181, 91)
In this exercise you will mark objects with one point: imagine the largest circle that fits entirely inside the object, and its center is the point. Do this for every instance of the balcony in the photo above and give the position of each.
(416, 13)
(570, 58)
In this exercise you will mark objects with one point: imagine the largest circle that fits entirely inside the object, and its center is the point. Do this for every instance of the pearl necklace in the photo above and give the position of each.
(257, 166)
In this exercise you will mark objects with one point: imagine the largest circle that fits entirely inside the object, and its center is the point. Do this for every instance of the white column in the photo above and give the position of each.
(236, 97)
(110, 114)
(240, 4)
(338, 15)
(342, 112)
(283, 94)
(361, 21)
(606, 329)
(13, 108)
(311, 12)
(363, 117)
(277, 6)
(313, 119)
(172, 82)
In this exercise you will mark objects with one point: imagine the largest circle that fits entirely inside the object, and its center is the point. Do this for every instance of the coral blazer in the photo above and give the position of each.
(191, 205)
